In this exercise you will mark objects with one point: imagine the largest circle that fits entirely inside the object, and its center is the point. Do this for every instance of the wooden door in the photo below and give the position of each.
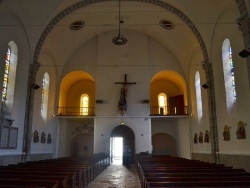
(176, 105)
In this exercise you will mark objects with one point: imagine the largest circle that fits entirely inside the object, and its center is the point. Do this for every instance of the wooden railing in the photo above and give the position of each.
(76, 111)
(167, 110)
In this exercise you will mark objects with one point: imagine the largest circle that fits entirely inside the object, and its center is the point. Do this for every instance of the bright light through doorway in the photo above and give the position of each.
(117, 149)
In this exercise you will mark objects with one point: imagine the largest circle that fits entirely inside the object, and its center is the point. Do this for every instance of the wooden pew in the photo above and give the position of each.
(178, 172)
(214, 184)
(27, 183)
(63, 181)
(70, 175)
(196, 179)
(80, 170)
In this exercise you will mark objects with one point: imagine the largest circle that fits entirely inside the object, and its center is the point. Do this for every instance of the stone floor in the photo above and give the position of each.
(117, 176)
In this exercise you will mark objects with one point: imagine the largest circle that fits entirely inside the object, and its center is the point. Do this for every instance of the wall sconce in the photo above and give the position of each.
(35, 86)
(205, 86)
(244, 53)
(145, 101)
(99, 101)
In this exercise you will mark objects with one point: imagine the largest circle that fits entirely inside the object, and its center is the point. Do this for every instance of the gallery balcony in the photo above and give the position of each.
(76, 111)
(168, 111)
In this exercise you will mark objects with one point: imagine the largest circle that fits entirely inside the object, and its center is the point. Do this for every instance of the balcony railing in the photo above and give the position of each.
(76, 111)
(167, 110)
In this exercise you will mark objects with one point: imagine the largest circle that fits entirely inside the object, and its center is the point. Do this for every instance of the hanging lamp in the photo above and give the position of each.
(120, 39)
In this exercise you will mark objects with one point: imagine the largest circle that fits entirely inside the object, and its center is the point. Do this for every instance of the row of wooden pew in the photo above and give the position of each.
(65, 172)
(167, 171)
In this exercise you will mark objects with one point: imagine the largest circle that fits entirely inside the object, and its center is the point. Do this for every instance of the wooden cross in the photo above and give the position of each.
(125, 81)
(122, 104)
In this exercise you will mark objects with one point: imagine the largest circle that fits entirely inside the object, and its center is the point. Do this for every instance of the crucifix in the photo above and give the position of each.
(122, 104)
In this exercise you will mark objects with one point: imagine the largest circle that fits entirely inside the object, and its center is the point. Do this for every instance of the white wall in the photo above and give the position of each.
(103, 128)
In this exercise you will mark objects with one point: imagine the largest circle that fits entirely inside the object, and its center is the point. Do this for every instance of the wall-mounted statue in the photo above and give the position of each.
(36, 137)
(49, 139)
(43, 138)
(195, 138)
(201, 137)
(206, 137)
(241, 133)
(226, 133)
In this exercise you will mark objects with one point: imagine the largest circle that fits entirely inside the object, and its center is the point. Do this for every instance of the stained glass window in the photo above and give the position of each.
(6, 75)
(232, 71)
(45, 95)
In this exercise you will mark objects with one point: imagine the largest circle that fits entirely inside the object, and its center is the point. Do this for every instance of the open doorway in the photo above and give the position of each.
(125, 132)
(116, 149)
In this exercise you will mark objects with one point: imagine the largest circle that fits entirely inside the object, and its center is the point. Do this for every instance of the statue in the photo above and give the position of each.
(201, 137)
(226, 133)
(49, 139)
(43, 138)
(195, 138)
(206, 138)
(241, 134)
(36, 137)
(122, 104)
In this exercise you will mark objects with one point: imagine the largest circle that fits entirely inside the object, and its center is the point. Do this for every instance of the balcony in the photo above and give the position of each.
(76, 111)
(168, 111)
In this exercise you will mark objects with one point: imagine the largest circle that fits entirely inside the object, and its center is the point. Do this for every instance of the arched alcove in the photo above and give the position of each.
(128, 136)
(173, 85)
(82, 145)
(163, 144)
(72, 87)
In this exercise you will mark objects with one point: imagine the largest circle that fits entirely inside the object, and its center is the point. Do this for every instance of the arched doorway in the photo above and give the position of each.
(128, 137)
(163, 144)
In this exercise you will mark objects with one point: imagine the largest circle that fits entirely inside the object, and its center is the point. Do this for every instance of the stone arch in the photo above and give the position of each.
(81, 4)
(128, 137)
(164, 144)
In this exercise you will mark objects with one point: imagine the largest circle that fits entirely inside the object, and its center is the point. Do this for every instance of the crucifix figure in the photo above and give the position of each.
(122, 104)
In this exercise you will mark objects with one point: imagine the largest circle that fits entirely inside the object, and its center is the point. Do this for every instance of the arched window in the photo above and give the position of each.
(228, 69)
(45, 96)
(162, 102)
(9, 80)
(84, 105)
(198, 96)
(6, 75)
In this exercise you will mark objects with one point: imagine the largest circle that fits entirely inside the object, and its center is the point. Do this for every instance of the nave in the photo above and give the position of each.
(117, 176)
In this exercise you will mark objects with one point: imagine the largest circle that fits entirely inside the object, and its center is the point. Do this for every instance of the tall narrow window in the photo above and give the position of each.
(162, 101)
(84, 105)
(6, 75)
(229, 76)
(232, 71)
(45, 96)
(198, 96)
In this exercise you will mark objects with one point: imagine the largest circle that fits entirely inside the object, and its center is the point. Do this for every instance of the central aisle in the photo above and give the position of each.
(117, 176)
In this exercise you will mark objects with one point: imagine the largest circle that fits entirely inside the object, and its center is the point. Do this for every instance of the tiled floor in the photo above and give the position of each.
(117, 176)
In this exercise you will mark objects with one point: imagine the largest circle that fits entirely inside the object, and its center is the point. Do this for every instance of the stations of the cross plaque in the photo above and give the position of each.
(122, 104)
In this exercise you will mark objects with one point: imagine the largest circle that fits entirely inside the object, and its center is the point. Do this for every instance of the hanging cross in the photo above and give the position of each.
(125, 81)
(122, 104)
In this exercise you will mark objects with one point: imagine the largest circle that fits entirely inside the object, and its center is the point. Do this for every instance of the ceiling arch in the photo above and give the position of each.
(81, 4)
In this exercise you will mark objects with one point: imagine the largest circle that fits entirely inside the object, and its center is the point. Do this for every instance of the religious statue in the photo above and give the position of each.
(36, 137)
(195, 138)
(49, 139)
(226, 133)
(241, 134)
(122, 104)
(43, 138)
(201, 137)
(206, 137)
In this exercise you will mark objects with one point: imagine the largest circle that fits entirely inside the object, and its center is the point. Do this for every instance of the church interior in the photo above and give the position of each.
(168, 77)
